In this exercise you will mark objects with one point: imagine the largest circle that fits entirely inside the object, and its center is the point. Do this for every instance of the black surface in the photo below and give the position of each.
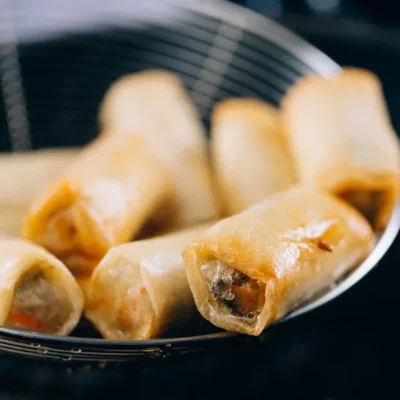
(346, 350)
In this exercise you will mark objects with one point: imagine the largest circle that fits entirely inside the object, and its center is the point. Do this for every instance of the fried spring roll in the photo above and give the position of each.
(155, 104)
(140, 290)
(342, 140)
(249, 270)
(37, 291)
(250, 155)
(104, 199)
(22, 175)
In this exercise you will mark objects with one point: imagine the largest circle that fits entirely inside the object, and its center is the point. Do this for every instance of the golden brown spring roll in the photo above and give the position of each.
(22, 175)
(249, 270)
(342, 140)
(155, 104)
(107, 195)
(140, 290)
(37, 291)
(250, 154)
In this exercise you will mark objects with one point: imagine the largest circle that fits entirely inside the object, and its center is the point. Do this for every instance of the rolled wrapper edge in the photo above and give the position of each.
(38, 258)
(287, 281)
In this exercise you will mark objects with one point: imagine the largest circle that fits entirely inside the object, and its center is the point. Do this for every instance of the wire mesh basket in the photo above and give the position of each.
(56, 63)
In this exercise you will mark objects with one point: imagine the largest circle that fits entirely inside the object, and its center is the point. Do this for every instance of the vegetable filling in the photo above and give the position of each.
(368, 203)
(38, 305)
(233, 290)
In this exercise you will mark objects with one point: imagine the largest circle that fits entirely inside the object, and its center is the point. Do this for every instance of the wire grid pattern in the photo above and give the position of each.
(65, 75)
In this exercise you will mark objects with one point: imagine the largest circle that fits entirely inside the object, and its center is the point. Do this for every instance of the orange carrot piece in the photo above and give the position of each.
(28, 321)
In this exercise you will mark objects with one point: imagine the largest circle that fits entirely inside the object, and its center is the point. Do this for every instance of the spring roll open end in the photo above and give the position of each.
(234, 290)
(39, 304)
(130, 314)
(38, 292)
(375, 205)
(374, 198)
(229, 298)
(59, 228)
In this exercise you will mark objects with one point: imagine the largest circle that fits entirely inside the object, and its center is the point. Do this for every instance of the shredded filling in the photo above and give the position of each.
(233, 290)
(60, 237)
(38, 305)
(368, 203)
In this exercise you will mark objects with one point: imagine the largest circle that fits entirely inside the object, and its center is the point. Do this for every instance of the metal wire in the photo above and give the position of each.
(11, 82)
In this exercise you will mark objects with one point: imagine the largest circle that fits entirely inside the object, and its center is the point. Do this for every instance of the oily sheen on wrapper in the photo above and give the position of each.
(105, 198)
(249, 270)
(343, 142)
(140, 290)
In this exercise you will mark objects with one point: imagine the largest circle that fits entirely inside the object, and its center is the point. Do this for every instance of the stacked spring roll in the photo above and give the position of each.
(149, 168)
(342, 140)
(155, 105)
(105, 198)
(140, 290)
(38, 293)
(249, 270)
(250, 155)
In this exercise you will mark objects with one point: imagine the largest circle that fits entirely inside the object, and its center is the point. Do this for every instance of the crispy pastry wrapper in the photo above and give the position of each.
(250, 154)
(22, 176)
(104, 199)
(342, 140)
(37, 290)
(249, 270)
(140, 290)
(154, 103)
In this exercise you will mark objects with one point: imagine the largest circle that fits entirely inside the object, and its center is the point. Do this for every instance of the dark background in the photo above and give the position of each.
(374, 11)
(348, 349)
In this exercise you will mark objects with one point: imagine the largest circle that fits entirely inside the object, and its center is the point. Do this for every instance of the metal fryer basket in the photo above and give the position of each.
(56, 65)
